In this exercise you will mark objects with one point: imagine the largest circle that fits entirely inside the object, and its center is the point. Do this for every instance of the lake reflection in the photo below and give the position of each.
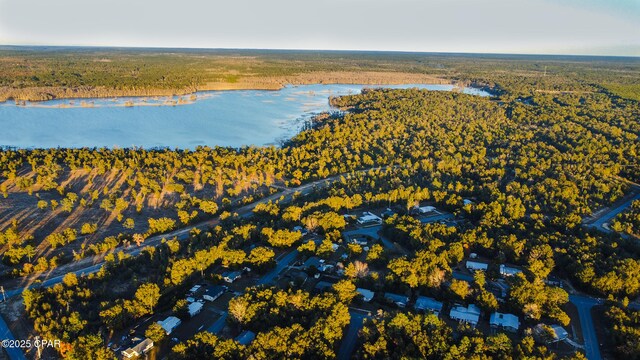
(224, 118)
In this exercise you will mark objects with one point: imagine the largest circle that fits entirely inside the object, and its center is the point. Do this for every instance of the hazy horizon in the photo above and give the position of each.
(543, 27)
(163, 48)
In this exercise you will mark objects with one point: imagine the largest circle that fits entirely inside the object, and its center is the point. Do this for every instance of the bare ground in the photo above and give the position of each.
(21, 207)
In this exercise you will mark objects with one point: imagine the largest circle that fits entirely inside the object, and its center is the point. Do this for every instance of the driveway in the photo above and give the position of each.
(350, 338)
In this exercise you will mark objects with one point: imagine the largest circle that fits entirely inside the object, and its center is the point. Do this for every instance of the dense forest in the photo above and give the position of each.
(43, 73)
(629, 221)
(519, 171)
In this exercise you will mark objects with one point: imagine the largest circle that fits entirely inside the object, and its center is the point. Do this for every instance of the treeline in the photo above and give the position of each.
(27, 73)
(532, 169)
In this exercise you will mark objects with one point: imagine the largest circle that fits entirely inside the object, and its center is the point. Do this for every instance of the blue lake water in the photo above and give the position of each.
(224, 118)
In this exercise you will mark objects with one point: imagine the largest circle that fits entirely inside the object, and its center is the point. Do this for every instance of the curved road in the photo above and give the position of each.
(90, 265)
(93, 264)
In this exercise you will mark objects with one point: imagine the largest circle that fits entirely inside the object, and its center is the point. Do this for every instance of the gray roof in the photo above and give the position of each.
(232, 274)
(246, 337)
(427, 303)
(215, 290)
(312, 261)
(396, 298)
(323, 285)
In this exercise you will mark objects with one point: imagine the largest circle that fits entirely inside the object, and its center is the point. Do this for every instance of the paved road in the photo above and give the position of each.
(52, 281)
(5, 334)
(219, 324)
(351, 337)
(584, 305)
(281, 264)
(93, 264)
(610, 214)
(183, 234)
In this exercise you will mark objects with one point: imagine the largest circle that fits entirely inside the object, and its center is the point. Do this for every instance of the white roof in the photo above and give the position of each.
(138, 349)
(169, 323)
(504, 320)
(367, 216)
(194, 307)
(426, 208)
(509, 271)
(367, 294)
(476, 265)
(427, 303)
(470, 314)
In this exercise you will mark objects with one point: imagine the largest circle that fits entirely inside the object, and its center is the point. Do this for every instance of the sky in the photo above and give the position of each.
(583, 27)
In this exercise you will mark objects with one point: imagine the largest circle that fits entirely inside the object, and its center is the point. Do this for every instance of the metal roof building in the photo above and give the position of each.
(508, 271)
(399, 300)
(139, 349)
(475, 265)
(366, 294)
(169, 324)
(508, 322)
(424, 303)
(469, 315)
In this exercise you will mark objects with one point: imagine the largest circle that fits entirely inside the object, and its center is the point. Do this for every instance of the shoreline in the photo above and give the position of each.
(43, 94)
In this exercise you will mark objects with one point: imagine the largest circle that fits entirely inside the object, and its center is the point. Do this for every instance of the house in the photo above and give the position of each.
(313, 261)
(554, 281)
(214, 292)
(507, 271)
(367, 295)
(469, 315)
(369, 219)
(360, 240)
(295, 276)
(425, 209)
(428, 304)
(326, 267)
(388, 213)
(245, 337)
(499, 288)
(476, 266)
(169, 324)
(138, 349)
(195, 308)
(550, 334)
(231, 276)
(399, 300)
(559, 332)
(300, 229)
(323, 286)
(507, 322)
(194, 289)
